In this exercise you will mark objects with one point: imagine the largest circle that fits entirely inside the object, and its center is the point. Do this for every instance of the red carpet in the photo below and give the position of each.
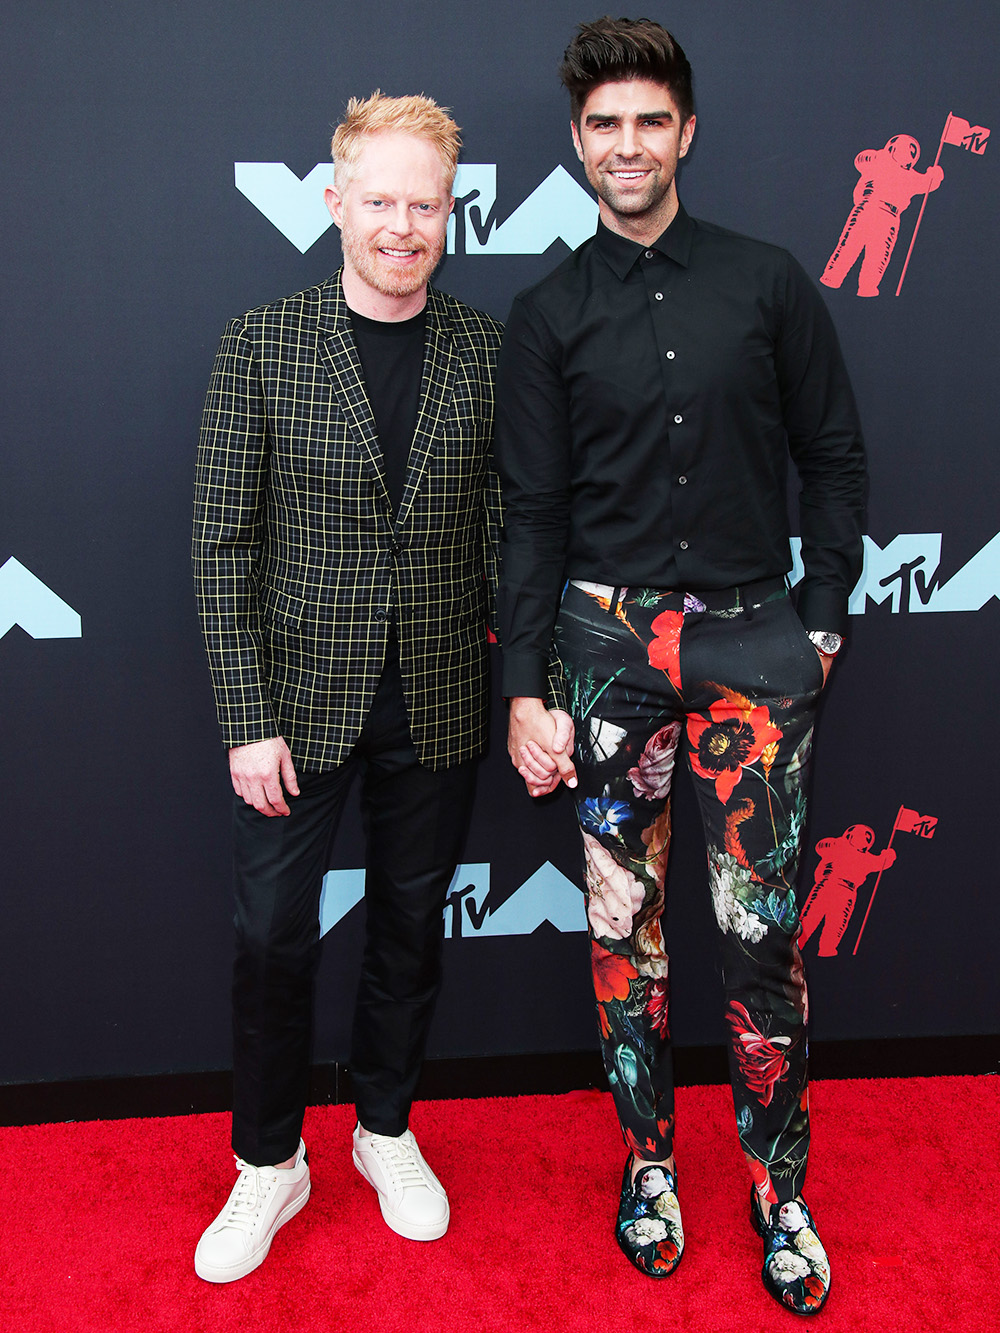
(101, 1219)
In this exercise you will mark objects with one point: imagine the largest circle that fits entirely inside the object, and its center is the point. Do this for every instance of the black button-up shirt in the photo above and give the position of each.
(648, 399)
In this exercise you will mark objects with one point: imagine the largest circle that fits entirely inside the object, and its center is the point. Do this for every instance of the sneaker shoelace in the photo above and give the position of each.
(400, 1161)
(249, 1197)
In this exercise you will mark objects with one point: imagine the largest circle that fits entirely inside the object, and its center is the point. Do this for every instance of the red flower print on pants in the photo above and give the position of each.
(762, 1062)
(612, 974)
(642, 1151)
(664, 651)
(657, 1007)
(733, 736)
(762, 1180)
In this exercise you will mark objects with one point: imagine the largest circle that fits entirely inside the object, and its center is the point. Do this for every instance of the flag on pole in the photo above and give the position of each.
(959, 133)
(973, 138)
(908, 821)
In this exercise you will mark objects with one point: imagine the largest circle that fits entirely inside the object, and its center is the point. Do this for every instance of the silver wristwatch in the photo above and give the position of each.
(826, 642)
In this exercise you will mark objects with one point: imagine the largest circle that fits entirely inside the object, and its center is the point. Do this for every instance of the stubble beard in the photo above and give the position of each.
(363, 256)
(630, 204)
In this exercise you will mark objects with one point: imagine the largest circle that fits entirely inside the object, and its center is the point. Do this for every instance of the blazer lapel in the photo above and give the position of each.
(436, 388)
(339, 355)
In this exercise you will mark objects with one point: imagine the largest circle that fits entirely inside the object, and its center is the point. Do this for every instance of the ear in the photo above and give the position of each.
(334, 204)
(576, 139)
(451, 203)
(687, 134)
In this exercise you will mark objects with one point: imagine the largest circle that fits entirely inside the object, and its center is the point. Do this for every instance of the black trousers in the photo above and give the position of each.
(415, 822)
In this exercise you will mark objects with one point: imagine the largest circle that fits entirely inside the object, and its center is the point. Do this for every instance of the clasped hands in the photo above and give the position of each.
(540, 743)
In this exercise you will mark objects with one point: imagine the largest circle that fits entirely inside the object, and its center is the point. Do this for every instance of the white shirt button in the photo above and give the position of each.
(658, 295)
(684, 546)
(671, 355)
(678, 419)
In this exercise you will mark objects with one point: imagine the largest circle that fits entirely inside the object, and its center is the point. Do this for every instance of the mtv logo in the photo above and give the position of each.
(547, 895)
(557, 210)
(26, 601)
(906, 573)
(887, 572)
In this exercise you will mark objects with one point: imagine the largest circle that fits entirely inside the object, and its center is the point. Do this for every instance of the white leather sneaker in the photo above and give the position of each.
(264, 1198)
(411, 1197)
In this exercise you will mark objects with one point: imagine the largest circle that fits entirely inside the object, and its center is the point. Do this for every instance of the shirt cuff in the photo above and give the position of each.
(525, 675)
(824, 608)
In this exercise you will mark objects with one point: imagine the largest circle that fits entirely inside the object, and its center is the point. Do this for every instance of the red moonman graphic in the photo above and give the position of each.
(844, 865)
(888, 183)
(889, 180)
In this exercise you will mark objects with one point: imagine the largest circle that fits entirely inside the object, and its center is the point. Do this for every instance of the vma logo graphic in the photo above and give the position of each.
(296, 207)
(26, 601)
(907, 573)
(888, 182)
(547, 895)
(558, 209)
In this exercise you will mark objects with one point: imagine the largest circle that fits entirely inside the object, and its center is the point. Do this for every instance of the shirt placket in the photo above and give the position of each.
(660, 275)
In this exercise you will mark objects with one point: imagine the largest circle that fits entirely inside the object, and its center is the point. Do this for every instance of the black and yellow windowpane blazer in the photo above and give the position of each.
(300, 562)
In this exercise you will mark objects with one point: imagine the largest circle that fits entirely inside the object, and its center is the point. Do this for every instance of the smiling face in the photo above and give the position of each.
(630, 139)
(392, 213)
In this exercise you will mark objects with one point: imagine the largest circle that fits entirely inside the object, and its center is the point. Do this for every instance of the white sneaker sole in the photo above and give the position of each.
(252, 1261)
(409, 1230)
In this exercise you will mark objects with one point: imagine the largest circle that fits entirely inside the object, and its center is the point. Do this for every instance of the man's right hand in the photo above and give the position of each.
(258, 771)
(540, 742)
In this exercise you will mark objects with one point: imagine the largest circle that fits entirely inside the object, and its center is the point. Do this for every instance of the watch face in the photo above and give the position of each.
(827, 642)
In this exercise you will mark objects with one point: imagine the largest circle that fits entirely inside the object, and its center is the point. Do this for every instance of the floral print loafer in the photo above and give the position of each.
(796, 1269)
(648, 1229)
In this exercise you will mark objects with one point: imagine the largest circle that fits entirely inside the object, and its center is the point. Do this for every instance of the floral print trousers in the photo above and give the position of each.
(731, 683)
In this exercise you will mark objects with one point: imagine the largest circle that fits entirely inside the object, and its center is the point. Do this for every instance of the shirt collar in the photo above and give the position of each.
(621, 253)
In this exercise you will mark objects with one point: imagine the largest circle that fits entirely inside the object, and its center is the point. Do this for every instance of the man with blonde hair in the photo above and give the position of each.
(344, 551)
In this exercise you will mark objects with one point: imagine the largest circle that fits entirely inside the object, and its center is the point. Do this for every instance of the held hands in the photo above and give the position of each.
(258, 771)
(540, 742)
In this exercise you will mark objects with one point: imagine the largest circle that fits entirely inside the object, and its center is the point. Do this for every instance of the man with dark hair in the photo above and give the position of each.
(650, 392)
(344, 545)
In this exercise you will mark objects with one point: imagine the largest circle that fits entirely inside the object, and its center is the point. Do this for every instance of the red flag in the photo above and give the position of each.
(973, 138)
(908, 821)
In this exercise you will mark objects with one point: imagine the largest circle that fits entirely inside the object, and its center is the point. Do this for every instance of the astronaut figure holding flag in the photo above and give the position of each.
(887, 185)
(888, 182)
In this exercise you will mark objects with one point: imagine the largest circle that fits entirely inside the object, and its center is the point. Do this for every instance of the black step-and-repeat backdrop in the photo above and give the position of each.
(163, 170)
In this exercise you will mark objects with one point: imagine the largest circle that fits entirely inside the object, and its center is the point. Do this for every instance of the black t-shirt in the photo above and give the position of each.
(392, 359)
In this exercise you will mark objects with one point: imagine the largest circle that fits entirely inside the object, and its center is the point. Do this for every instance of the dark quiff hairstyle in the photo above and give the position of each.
(613, 50)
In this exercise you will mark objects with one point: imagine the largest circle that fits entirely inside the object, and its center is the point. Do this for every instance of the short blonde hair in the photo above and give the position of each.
(379, 114)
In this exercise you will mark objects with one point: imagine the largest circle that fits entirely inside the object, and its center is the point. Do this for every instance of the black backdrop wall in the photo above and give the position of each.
(131, 234)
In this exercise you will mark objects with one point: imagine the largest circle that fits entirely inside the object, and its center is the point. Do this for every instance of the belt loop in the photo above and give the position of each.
(615, 602)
